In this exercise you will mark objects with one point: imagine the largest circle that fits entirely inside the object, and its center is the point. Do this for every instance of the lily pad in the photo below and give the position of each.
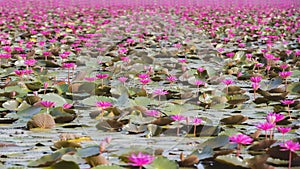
(50, 159)
(162, 163)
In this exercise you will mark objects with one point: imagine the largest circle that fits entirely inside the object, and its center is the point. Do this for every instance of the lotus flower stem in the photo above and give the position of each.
(290, 159)
(69, 77)
(288, 107)
(178, 126)
(238, 150)
(195, 130)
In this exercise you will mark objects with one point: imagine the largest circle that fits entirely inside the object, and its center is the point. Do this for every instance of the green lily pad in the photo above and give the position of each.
(65, 164)
(11, 105)
(91, 101)
(216, 142)
(59, 100)
(88, 151)
(50, 159)
(162, 163)
(108, 167)
(232, 160)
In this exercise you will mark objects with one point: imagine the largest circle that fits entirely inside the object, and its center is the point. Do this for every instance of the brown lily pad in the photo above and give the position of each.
(235, 119)
(43, 120)
(262, 145)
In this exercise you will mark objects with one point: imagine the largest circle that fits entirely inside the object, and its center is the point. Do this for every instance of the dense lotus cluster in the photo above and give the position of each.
(155, 69)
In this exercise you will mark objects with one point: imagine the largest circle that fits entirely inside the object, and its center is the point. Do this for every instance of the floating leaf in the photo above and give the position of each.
(63, 116)
(65, 144)
(162, 121)
(53, 97)
(135, 129)
(216, 142)
(162, 163)
(232, 160)
(259, 162)
(237, 99)
(93, 99)
(234, 90)
(107, 167)
(189, 161)
(109, 125)
(142, 101)
(43, 120)
(11, 105)
(271, 84)
(207, 152)
(154, 130)
(235, 119)
(50, 159)
(262, 145)
(96, 160)
(294, 88)
(88, 151)
(32, 99)
(28, 113)
(65, 164)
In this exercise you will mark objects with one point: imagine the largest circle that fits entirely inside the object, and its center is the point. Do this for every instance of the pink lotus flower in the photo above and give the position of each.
(171, 79)
(153, 113)
(255, 86)
(125, 59)
(230, 54)
(249, 56)
(182, 60)
(242, 45)
(144, 82)
(285, 74)
(19, 72)
(288, 103)
(122, 79)
(48, 104)
(199, 82)
(178, 117)
(266, 126)
(7, 49)
(227, 82)
(284, 66)
(284, 130)
(5, 55)
(160, 92)
(288, 52)
(201, 69)
(143, 76)
(273, 117)
(240, 139)
(102, 76)
(69, 65)
(290, 146)
(67, 106)
(103, 104)
(269, 56)
(196, 121)
(256, 79)
(30, 62)
(122, 50)
(140, 159)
